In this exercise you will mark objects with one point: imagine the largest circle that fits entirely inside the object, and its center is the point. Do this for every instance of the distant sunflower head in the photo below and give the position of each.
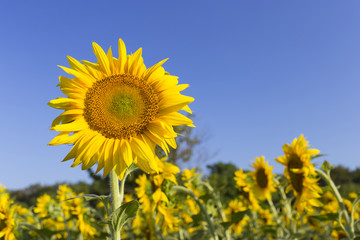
(117, 111)
(263, 179)
(243, 183)
(300, 173)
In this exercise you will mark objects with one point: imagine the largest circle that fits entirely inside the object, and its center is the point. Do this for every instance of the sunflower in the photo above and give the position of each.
(236, 206)
(7, 216)
(243, 184)
(301, 174)
(143, 192)
(263, 184)
(44, 204)
(117, 111)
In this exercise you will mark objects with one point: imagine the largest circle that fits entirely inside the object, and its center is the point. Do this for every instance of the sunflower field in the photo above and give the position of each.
(125, 118)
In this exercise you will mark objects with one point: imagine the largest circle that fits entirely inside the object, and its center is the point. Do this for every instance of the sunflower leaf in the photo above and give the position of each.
(89, 197)
(234, 218)
(326, 217)
(123, 214)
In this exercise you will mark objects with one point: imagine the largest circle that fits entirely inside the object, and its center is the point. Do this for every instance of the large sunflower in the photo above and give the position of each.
(301, 174)
(263, 184)
(117, 111)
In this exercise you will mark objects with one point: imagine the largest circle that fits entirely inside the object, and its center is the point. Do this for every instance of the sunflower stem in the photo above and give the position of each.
(219, 207)
(287, 207)
(116, 199)
(211, 226)
(279, 231)
(329, 181)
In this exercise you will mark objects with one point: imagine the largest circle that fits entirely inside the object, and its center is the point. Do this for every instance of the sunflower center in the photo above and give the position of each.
(261, 178)
(296, 178)
(120, 106)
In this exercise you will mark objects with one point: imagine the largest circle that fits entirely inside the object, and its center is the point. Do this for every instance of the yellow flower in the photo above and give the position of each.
(64, 193)
(235, 206)
(7, 219)
(330, 202)
(188, 174)
(244, 186)
(43, 204)
(190, 179)
(265, 216)
(143, 192)
(348, 204)
(353, 195)
(117, 111)
(166, 171)
(128, 197)
(338, 234)
(301, 174)
(263, 184)
(166, 214)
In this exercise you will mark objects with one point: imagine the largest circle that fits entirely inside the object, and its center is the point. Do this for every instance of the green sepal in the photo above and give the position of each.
(326, 166)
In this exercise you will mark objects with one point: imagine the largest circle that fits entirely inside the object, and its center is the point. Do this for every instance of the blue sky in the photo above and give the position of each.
(261, 73)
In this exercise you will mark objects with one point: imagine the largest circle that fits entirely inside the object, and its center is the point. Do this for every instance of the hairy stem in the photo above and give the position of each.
(116, 199)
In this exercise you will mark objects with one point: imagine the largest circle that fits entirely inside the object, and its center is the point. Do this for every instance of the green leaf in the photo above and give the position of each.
(327, 217)
(197, 218)
(89, 197)
(317, 156)
(123, 214)
(238, 216)
(226, 225)
(269, 229)
(326, 166)
(234, 218)
(45, 233)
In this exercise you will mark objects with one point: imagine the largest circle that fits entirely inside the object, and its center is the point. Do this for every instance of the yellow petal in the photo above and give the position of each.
(102, 59)
(86, 79)
(64, 138)
(63, 103)
(76, 65)
(125, 151)
(148, 75)
(142, 149)
(173, 103)
(94, 69)
(177, 119)
(111, 62)
(77, 125)
(108, 157)
(122, 56)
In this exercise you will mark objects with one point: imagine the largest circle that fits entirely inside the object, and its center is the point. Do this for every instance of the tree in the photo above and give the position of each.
(221, 178)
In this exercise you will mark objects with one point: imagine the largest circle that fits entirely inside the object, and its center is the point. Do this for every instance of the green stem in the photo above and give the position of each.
(279, 231)
(219, 207)
(287, 206)
(352, 221)
(116, 199)
(202, 209)
(329, 181)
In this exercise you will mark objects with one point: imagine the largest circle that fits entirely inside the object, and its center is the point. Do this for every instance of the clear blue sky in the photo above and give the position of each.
(261, 73)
